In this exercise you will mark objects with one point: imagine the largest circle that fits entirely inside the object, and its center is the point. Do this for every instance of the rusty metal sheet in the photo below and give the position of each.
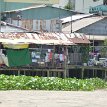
(44, 38)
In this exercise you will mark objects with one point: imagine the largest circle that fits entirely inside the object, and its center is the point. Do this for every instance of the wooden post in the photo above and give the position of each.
(53, 58)
(82, 73)
(105, 76)
(54, 73)
(65, 64)
(18, 72)
(67, 72)
(59, 74)
(93, 73)
(43, 73)
(48, 73)
(24, 72)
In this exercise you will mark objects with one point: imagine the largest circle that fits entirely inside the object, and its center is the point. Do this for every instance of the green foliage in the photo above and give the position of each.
(105, 42)
(85, 53)
(68, 6)
(104, 49)
(49, 83)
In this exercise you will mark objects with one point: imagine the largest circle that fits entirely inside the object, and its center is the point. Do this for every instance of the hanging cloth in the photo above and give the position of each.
(18, 57)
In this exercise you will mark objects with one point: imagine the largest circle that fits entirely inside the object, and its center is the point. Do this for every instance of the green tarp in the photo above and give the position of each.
(18, 57)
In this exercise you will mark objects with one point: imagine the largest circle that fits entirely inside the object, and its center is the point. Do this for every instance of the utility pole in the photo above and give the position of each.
(70, 5)
(0, 15)
(83, 5)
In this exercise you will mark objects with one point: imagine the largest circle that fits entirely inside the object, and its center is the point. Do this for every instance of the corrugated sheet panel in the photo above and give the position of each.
(43, 38)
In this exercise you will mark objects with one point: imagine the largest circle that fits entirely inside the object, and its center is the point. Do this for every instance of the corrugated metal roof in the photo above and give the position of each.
(37, 6)
(96, 37)
(98, 28)
(43, 38)
(78, 38)
(42, 12)
(74, 17)
(6, 27)
(27, 8)
(81, 24)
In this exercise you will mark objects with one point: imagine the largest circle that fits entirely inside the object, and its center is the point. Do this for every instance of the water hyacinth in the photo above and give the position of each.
(50, 83)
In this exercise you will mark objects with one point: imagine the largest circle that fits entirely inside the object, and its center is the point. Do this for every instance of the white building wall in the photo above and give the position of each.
(82, 5)
(62, 3)
(79, 5)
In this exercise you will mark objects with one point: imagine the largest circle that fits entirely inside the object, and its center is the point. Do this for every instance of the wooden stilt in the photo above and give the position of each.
(68, 73)
(18, 72)
(43, 73)
(82, 73)
(54, 73)
(105, 75)
(48, 74)
(65, 64)
(53, 59)
(59, 74)
(93, 73)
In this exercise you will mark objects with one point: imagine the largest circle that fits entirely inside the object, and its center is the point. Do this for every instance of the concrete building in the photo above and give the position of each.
(81, 5)
(78, 5)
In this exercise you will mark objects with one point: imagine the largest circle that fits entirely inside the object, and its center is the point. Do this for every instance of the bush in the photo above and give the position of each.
(50, 83)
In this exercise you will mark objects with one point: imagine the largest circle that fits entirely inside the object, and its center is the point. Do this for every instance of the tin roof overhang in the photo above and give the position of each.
(43, 38)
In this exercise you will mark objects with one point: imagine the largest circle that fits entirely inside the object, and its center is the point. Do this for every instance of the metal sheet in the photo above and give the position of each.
(42, 38)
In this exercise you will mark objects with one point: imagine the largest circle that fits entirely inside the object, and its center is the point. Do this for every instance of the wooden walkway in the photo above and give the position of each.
(33, 71)
(90, 69)
(57, 72)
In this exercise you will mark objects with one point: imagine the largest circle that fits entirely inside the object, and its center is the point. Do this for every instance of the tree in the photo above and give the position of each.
(68, 6)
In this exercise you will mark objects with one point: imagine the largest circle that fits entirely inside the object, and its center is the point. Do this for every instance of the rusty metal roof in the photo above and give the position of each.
(44, 38)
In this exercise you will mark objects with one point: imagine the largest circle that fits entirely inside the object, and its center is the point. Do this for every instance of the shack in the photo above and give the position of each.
(46, 50)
